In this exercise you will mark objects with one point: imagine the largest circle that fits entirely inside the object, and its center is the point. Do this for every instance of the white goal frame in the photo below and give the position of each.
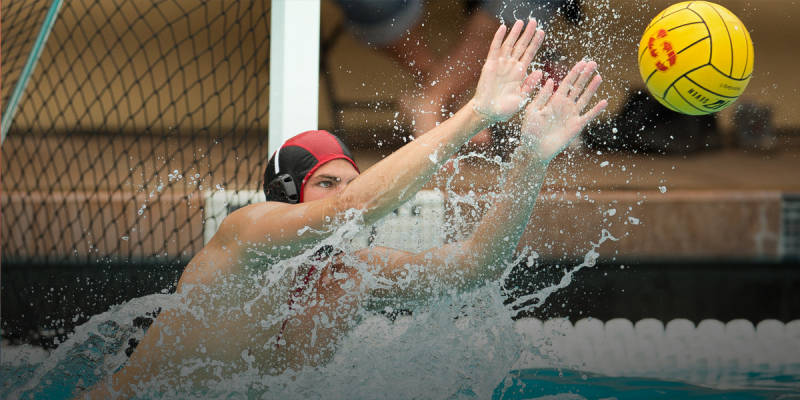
(293, 69)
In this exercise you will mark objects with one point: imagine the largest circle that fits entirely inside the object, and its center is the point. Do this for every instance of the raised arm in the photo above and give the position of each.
(551, 121)
(503, 88)
(284, 230)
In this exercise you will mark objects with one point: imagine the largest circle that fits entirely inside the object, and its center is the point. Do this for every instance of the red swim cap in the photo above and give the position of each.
(300, 156)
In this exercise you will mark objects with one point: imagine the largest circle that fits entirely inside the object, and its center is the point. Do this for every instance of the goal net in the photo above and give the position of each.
(134, 113)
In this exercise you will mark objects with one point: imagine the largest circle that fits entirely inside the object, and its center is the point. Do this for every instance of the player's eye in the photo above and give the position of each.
(325, 184)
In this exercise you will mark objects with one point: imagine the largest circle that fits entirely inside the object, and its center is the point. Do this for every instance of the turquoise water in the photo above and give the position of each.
(456, 344)
(446, 350)
(518, 384)
(541, 383)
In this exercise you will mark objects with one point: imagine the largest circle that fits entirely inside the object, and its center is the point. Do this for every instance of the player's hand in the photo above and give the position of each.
(552, 120)
(505, 85)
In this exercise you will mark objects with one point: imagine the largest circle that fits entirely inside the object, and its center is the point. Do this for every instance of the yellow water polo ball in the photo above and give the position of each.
(696, 57)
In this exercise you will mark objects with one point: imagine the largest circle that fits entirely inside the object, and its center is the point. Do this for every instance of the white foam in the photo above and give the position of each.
(21, 355)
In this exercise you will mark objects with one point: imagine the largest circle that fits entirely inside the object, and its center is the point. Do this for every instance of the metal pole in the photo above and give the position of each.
(293, 69)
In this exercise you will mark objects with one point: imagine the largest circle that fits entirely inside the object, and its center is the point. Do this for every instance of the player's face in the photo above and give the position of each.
(330, 179)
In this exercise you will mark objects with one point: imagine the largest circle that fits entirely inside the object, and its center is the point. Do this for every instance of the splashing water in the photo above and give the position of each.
(538, 298)
(454, 344)
(457, 345)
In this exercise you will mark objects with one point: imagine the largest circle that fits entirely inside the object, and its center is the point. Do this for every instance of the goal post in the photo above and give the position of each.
(294, 69)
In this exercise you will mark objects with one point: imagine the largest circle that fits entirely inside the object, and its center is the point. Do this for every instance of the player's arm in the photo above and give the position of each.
(552, 120)
(118, 386)
(501, 92)
(481, 257)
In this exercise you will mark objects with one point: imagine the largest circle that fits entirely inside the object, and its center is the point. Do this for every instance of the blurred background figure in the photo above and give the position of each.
(444, 77)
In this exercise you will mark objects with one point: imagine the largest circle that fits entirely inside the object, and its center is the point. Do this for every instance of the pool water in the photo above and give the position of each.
(456, 344)
(457, 347)
(569, 384)
(518, 384)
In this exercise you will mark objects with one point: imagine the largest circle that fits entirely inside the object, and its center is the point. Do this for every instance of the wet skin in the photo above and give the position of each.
(231, 324)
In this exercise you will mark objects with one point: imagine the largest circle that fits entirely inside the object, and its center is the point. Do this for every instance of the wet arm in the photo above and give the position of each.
(467, 263)
(552, 120)
(502, 89)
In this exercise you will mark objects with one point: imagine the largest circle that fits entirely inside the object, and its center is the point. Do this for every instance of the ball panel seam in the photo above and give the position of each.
(679, 78)
(711, 40)
(655, 21)
(688, 102)
(710, 91)
(728, 32)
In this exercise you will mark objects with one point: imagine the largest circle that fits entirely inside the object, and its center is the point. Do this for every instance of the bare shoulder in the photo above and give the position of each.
(276, 224)
(222, 255)
(251, 214)
(265, 223)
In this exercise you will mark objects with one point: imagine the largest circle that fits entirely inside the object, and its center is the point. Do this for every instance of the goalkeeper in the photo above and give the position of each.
(319, 304)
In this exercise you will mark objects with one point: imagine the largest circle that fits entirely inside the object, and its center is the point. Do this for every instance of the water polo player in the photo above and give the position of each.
(313, 186)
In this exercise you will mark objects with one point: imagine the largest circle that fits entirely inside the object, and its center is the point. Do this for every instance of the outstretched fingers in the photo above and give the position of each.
(530, 82)
(587, 94)
(508, 44)
(497, 42)
(569, 80)
(524, 41)
(543, 96)
(594, 112)
(583, 79)
(533, 47)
